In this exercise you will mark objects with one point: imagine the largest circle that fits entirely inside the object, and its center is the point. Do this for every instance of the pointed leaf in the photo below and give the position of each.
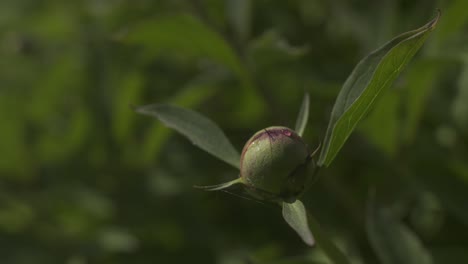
(392, 241)
(191, 95)
(303, 116)
(200, 130)
(220, 186)
(303, 223)
(296, 217)
(372, 75)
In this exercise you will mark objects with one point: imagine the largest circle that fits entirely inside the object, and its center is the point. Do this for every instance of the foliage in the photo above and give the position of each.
(373, 74)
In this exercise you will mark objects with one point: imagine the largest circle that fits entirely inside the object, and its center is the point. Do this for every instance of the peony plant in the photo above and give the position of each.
(276, 165)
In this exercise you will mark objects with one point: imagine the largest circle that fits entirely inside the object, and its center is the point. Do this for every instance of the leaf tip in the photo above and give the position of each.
(434, 21)
(309, 242)
(145, 109)
(218, 187)
(295, 216)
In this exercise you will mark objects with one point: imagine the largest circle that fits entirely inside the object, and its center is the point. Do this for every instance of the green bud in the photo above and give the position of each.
(275, 164)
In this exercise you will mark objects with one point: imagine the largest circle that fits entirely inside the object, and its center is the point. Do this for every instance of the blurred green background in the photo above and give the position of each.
(83, 179)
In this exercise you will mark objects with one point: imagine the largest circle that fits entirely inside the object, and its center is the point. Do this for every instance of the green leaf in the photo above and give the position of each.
(296, 216)
(185, 36)
(392, 241)
(221, 186)
(203, 132)
(372, 75)
(305, 225)
(303, 116)
(194, 93)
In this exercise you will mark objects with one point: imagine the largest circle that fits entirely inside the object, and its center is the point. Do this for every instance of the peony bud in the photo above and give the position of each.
(275, 164)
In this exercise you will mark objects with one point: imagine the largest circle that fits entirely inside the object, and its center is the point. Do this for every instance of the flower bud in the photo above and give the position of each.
(275, 164)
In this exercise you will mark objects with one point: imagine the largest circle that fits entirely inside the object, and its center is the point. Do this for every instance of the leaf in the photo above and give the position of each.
(296, 216)
(203, 132)
(305, 225)
(303, 116)
(392, 241)
(220, 186)
(194, 93)
(183, 35)
(373, 74)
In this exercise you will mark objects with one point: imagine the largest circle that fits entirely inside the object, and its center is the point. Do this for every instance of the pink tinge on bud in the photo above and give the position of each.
(274, 161)
(287, 132)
